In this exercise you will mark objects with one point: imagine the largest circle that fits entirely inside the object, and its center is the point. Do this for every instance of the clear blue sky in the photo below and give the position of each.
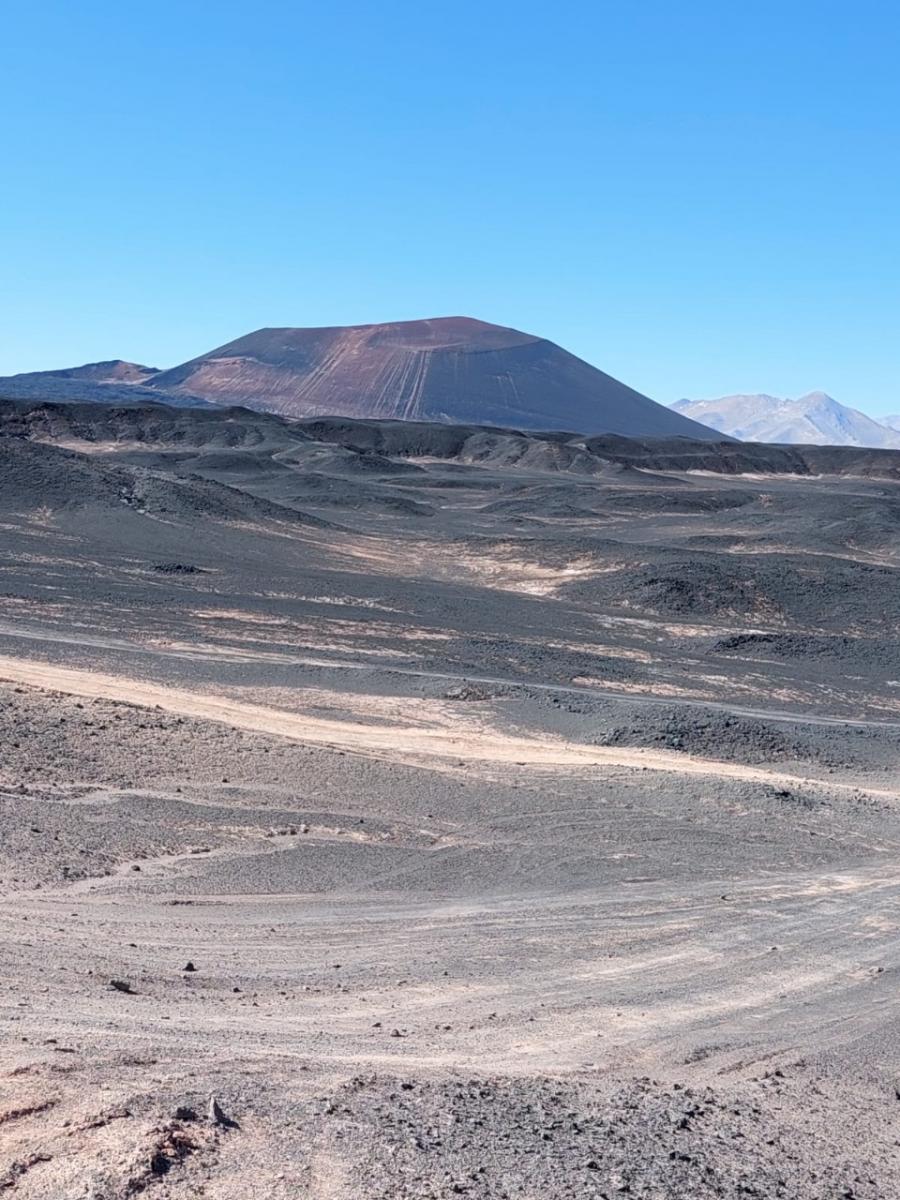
(699, 197)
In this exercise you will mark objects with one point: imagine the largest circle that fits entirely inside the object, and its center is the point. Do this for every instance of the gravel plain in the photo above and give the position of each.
(443, 817)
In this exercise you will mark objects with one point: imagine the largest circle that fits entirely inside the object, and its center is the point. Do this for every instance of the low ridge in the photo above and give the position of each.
(114, 370)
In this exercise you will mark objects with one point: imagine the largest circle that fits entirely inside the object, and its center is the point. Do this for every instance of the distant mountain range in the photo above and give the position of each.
(451, 369)
(813, 420)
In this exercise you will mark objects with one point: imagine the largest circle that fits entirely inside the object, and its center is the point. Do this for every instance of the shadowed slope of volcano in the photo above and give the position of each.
(452, 369)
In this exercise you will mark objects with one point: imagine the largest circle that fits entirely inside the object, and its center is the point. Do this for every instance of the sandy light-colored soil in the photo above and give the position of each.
(499, 852)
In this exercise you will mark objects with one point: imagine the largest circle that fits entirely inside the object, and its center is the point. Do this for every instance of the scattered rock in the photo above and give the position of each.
(218, 1117)
(177, 568)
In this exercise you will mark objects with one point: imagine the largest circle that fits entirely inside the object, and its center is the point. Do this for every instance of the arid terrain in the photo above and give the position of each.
(399, 811)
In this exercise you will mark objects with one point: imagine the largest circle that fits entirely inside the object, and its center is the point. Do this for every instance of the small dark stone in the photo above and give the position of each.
(159, 1163)
(218, 1117)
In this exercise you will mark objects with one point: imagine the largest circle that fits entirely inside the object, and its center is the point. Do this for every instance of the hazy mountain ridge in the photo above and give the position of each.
(815, 419)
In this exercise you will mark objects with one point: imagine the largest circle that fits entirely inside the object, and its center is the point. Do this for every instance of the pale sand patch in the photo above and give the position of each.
(529, 578)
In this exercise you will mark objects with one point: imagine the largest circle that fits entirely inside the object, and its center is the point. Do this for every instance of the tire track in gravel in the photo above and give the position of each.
(411, 743)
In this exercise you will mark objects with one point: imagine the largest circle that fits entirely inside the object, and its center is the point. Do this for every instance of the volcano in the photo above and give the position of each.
(450, 369)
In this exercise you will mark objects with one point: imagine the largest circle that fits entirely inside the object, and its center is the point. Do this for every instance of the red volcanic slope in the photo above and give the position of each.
(451, 369)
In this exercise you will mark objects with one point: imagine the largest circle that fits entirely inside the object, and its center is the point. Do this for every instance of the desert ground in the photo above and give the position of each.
(388, 812)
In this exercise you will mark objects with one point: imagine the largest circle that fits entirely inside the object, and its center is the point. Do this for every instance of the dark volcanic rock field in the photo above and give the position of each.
(421, 811)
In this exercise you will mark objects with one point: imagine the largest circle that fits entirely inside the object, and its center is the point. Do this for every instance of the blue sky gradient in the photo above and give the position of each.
(699, 198)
